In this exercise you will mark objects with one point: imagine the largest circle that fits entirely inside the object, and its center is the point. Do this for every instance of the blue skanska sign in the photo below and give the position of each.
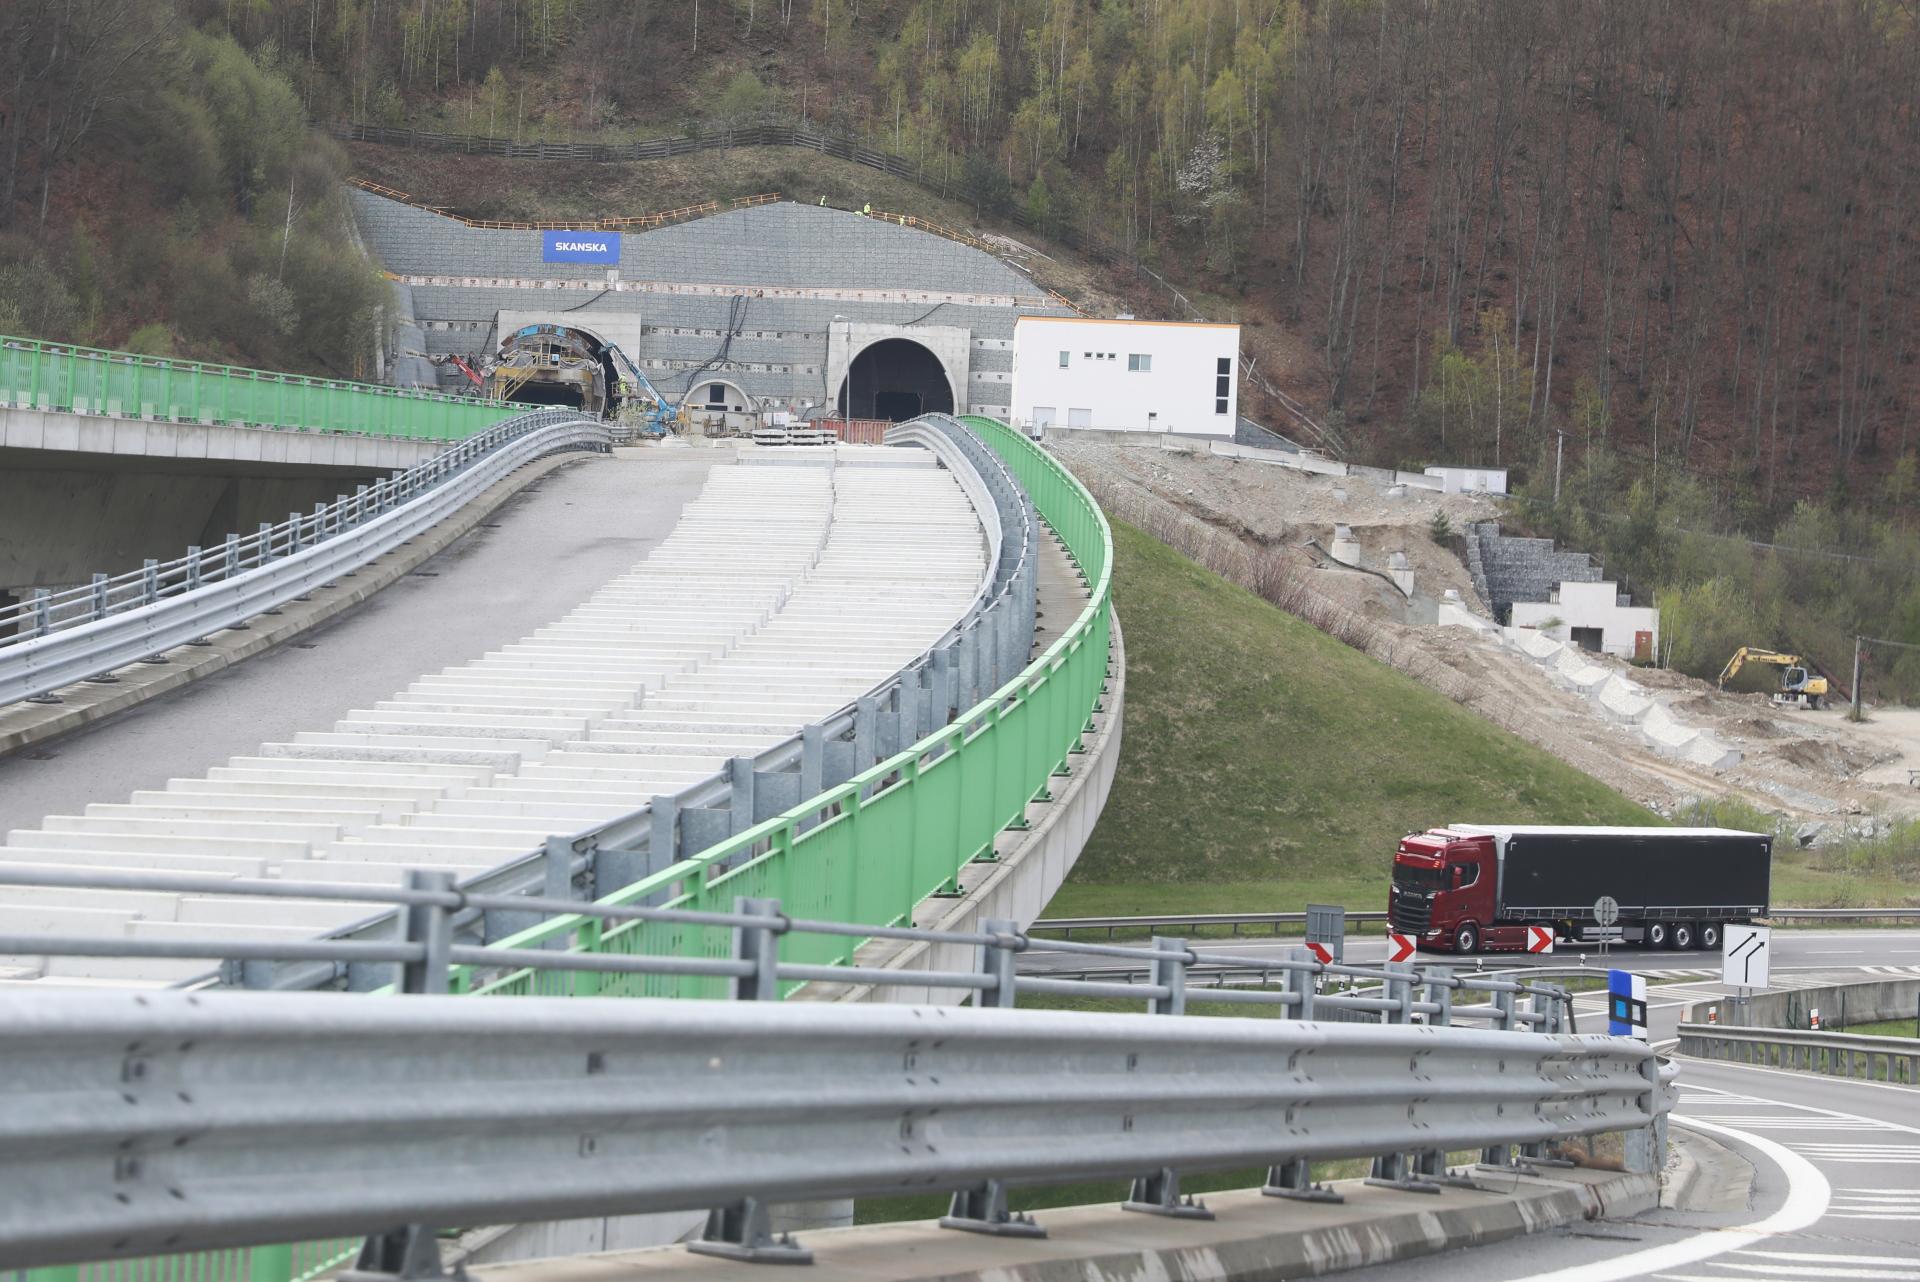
(580, 247)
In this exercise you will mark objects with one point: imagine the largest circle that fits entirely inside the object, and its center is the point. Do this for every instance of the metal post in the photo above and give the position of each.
(411, 1253)
(759, 945)
(1855, 713)
(42, 611)
(1159, 1193)
(997, 960)
(430, 925)
(193, 566)
(97, 601)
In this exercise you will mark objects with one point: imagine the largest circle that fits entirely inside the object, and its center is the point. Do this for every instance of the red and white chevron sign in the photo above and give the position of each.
(1321, 953)
(1400, 947)
(1539, 939)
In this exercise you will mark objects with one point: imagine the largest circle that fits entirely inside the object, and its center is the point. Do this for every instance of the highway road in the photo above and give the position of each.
(1835, 1195)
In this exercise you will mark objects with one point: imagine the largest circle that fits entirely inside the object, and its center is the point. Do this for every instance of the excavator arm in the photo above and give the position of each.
(1754, 654)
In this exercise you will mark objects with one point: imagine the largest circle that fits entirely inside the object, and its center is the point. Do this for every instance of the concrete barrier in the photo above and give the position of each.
(1838, 1004)
(1572, 669)
(1623, 700)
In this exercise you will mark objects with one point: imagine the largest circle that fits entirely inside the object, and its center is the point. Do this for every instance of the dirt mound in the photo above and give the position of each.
(1752, 727)
(1826, 756)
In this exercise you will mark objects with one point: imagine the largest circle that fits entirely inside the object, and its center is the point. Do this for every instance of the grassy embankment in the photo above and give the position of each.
(1266, 764)
(1886, 1028)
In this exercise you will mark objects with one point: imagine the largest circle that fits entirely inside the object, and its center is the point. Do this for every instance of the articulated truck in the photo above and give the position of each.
(1473, 887)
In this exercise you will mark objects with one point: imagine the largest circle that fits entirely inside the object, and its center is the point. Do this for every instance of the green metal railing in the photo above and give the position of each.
(86, 380)
(884, 841)
(870, 850)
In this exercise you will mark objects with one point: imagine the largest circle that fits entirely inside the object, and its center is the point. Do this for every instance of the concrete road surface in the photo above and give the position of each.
(1835, 1195)
(539, 555)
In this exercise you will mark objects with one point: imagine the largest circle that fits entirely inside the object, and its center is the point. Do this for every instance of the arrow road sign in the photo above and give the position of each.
(1744, 956)
(1539, 939)
(1400, 947)
(1321, 953)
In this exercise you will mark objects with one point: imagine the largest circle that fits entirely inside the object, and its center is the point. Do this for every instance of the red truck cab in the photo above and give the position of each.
(1444, 893)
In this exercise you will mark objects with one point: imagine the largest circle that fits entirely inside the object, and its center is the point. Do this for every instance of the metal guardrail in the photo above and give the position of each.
(313, 1115)
(1067, 925)
(317, 1115)
(1837, 1054)
(89, 380)
(85, 633)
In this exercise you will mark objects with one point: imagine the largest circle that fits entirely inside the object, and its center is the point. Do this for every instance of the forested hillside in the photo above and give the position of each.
(1678, 235)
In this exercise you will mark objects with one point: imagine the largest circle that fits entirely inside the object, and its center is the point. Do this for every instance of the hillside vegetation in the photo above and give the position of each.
(1677, 238)
(1267, 764)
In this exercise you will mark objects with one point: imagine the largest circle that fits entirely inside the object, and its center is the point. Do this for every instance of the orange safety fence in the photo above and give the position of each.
(859, 431)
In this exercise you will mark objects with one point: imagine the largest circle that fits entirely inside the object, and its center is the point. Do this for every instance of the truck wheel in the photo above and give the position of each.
(1709, 936)
(1682, 936)
(1658, 935)
(1467, 938)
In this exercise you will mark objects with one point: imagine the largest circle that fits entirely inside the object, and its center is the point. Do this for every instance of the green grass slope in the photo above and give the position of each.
(1265, 764)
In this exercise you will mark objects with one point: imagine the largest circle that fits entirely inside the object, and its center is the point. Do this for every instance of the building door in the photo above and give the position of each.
(1079, 418)
(1043, 415)
(1587, 638)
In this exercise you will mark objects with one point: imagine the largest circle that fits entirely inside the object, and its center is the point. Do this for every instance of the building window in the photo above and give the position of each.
(1220, 385)
(1219, 407)
(1224, 365)
(1139, 363)
(1064, 357)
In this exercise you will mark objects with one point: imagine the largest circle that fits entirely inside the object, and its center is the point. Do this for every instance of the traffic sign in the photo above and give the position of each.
(1606, 910)
(1327, 924)
(1321, 953)
(1400, 947)
(1745, 954)
(1539, 939)
(1626, 1004)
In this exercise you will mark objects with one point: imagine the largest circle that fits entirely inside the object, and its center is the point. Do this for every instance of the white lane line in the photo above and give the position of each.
(1815, 1258)
(1828, 1271)
(1807, 1197)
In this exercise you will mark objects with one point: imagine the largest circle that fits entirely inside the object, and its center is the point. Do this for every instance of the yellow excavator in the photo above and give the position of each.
(1800, 684)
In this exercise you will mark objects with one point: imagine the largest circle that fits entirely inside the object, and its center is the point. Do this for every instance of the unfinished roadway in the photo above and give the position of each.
(619, 632)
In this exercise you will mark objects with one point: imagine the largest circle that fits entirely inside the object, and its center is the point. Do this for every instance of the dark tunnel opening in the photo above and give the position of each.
(895, 379)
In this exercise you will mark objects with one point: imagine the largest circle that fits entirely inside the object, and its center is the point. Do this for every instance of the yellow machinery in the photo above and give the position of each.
(1799, 683)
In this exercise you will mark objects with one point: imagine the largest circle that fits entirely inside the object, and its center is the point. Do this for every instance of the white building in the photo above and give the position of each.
(1126, 375)
(1590, 616)
(1470, 480)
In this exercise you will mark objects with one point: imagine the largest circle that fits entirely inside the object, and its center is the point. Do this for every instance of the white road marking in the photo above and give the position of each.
(1807, 1197)
(1829, 1271)
(1878, 1261)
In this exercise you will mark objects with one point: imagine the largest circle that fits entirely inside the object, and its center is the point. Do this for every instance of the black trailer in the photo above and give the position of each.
(1663, 879)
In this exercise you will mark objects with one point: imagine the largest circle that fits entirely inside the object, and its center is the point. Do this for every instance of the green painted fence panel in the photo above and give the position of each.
(86, 380)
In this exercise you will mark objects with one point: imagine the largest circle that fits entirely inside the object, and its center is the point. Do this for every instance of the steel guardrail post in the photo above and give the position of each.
(1159, 1192)
(1501, 1155)
(1293, 1178)
(743, 1230)
(983, 1209)
(411, 1253)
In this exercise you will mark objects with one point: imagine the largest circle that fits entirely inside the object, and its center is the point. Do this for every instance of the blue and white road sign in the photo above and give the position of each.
(1626, 1004)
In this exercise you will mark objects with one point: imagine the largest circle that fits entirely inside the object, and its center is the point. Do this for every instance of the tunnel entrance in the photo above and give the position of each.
(895, 379)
